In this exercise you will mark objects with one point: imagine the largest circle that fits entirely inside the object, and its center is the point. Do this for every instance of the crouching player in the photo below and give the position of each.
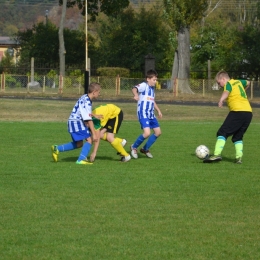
(107, 120)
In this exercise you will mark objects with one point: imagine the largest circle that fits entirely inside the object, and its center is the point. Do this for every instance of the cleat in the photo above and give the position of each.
(146, 152)
(55, 152)
(238, 160)
(126, 158)
(133, 152)
(124, 142)
(83, 162)
(213, 158)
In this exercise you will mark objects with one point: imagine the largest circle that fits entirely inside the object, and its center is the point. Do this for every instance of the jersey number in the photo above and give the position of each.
(242, 92)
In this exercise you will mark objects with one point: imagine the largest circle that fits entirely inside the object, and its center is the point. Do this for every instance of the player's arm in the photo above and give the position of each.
(95, 147)
(135, 93)
(223, 97)
(248, 83)
(92, 129)
(98, 116)
(157, 109)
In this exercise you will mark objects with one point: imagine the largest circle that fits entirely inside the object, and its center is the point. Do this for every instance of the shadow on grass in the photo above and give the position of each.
(74, 159)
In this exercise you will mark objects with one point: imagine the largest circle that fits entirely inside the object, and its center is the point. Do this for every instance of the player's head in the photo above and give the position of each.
(94, 89)
(151, 77)
(222, 78)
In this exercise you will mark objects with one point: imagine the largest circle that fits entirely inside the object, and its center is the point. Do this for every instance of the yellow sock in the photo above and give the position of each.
(104, 137)
(239, 149)
(120, 139)
(221, 141)
(116, 144)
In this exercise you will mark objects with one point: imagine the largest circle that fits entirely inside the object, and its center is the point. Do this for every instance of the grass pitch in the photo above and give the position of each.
(170, 207)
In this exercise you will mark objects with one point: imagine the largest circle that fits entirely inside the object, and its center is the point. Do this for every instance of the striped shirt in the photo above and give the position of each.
(145, 105)
(81, 111)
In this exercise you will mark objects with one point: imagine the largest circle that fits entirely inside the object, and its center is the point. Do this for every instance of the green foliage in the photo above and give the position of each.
(110, 8)
(247, 51)
(76, 73)
(113, 72)
(183, 13)
(212, 43)
(42, 43)
(127, 39)
(52, 74)
(7, 63)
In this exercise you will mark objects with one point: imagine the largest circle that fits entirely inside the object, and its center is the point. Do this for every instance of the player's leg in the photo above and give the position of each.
(112, 127)
(237, 138)
(84, 135)
(121, 140)
(108, 134)
(152, 138)
(139, 141)
(228, 127)
(56, 149)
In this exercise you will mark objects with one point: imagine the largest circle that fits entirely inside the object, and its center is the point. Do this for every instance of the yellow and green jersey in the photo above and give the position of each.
(108, 111)
(237, 99)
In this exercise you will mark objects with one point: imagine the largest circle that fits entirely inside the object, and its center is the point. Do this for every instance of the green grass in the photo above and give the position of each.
(169, 207)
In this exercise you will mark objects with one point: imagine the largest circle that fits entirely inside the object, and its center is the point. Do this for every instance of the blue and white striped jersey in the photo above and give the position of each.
(145, 105)
(81, 111)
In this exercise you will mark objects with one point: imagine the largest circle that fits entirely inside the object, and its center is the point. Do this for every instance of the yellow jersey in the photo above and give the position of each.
(108, 111)
(237, 99)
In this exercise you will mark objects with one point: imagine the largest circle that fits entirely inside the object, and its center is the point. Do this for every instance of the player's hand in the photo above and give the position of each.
(220, 104)
(94, 137)
(160, 114)
(92, 157)
(136, 97)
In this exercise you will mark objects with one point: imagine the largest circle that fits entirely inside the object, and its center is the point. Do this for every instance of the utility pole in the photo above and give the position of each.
(86, 51)
(46, 16)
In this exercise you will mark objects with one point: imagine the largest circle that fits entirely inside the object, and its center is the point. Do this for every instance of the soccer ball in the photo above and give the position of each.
(202, 151)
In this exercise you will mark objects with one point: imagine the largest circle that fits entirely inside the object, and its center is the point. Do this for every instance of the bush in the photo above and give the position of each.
(113, 72)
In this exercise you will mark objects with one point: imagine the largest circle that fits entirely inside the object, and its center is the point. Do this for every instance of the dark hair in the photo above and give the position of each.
(151, 73)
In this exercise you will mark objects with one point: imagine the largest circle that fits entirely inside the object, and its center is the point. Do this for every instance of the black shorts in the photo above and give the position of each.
(114, 124)
(235, 125)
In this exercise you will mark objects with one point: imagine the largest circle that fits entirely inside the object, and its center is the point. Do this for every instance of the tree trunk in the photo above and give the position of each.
(62, 51)
(181, 63)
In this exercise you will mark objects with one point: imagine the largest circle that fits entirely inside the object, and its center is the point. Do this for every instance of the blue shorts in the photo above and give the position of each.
(80, 135)
(151, 123)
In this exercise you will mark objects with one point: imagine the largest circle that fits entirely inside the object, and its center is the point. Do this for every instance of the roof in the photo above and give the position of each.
(7, 41)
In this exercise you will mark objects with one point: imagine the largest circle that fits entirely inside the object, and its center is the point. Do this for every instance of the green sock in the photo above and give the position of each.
(239, 149)
(221, 141)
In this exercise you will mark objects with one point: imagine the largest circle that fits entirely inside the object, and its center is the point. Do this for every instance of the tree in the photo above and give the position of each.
(128, 38)
(246, 53)
(41, 42)
(62, 51)
(6, 63)
(182, 14)
(108, 7)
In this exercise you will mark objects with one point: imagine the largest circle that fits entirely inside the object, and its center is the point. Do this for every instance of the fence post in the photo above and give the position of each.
(43, 87)
(60, 84)
(3, 82)
(203, 87)
(175, 87)
(79, 84)
(252, 89)
(28, 81)
(117, 85)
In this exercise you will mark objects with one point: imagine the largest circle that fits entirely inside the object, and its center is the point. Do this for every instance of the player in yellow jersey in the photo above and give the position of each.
(238, 118)
(107, 120)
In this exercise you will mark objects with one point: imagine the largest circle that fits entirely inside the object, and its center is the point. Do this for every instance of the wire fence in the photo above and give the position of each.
(112, 87)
